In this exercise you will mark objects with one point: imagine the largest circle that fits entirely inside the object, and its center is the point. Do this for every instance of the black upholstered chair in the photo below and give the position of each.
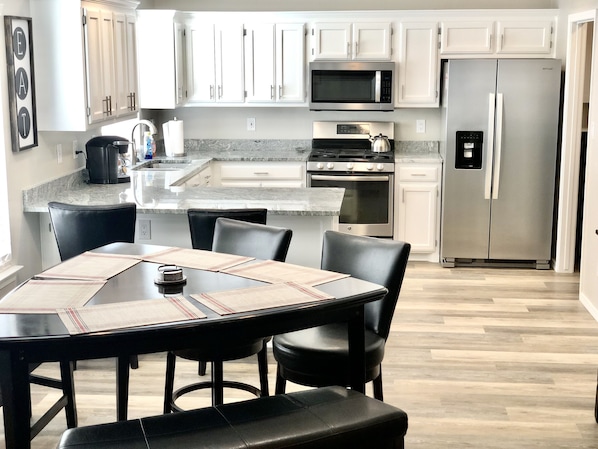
(80, 228)
(203, 221)
(319, 356)
(243, 239)
(201, 226)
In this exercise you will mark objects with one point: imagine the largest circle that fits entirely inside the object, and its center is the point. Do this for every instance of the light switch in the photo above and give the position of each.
(420, 126)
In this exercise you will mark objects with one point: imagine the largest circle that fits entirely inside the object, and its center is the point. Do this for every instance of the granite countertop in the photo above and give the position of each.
(164, 192)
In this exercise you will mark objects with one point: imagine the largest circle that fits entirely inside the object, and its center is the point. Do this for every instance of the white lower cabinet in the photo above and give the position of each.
(417, 209)
(259, 174)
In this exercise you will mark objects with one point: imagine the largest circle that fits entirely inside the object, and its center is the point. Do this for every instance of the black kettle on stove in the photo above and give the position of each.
(105, 161)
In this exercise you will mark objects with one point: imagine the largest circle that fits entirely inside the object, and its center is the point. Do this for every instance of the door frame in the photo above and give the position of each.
(575, 72)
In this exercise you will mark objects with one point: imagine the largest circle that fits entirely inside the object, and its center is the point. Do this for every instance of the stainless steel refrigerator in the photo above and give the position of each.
(500, 129)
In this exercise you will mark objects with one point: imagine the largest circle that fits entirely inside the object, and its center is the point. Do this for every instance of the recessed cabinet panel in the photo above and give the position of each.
(417, 216)
(332, 41)
(371, 41)
(290, 63)
(365, 41)
(466, 37)
(125, 56)
(418, 65)
(527, 37)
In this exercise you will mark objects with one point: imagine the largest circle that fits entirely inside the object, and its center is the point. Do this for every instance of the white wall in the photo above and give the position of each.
(39, 165)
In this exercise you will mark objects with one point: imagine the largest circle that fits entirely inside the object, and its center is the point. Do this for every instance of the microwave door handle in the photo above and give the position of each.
(378, 86)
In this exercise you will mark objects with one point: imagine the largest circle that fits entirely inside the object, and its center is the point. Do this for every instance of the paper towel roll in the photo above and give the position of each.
(174, 141)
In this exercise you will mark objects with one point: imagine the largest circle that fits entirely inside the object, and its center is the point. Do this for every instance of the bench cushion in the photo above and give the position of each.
(331, 417)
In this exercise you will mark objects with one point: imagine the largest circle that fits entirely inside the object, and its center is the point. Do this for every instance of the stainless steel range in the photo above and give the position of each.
(342, 156)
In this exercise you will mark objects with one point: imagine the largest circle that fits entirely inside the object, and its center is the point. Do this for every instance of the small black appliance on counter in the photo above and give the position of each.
(105, 159)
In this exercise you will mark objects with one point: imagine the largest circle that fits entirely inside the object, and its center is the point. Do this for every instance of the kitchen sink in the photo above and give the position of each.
(163, 165)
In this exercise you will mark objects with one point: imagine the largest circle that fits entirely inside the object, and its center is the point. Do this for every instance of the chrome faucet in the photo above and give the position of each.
(152, 128)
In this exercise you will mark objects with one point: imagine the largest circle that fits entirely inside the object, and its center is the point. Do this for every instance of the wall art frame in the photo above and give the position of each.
(21, 82)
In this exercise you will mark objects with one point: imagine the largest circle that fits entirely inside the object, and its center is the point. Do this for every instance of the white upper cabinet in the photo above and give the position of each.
(418, 77)
(216, 58)
(125, 55)
(162, 46)
(275, 63)
(524, 37)
(364, 41)
(82, 50)
(497, 38)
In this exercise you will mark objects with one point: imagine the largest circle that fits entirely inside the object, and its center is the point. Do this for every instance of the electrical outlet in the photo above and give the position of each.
(251, 124)
(420, 126)
(59, 153)
(75, 145)
(145, 230)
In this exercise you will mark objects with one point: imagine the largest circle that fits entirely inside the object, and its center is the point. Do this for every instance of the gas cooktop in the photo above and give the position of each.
(349, 155)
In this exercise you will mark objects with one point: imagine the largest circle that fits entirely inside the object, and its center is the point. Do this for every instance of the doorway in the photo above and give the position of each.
(571, 178)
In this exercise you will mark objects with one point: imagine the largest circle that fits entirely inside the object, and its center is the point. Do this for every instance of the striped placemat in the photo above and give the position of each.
(105, 317)
(276, 272)
(45, 296)
(196, 258)
(95, 266)
(258, 298)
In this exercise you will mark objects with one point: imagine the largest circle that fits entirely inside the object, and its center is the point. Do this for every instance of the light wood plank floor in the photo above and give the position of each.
(478, 358)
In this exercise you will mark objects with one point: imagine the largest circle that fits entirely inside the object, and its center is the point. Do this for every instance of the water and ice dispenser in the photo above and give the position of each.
(468, 154)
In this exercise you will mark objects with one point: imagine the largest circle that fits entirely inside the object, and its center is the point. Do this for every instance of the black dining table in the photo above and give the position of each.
(42, 337)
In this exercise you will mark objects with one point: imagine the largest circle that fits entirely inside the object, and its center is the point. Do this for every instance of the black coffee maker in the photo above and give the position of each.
(106, 163)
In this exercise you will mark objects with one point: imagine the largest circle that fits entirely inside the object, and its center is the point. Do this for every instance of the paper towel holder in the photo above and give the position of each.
(174, 144)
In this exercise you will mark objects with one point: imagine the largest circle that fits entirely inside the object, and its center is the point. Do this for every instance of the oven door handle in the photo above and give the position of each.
(349, 178)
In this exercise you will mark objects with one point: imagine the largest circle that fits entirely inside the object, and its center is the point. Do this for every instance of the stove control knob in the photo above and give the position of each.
(380, 167)
(350, 165)
(370, 166)
(329, 165)
(319, 166)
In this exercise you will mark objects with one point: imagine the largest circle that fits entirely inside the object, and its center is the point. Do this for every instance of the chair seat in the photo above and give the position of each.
(233, 351)
(320, 355)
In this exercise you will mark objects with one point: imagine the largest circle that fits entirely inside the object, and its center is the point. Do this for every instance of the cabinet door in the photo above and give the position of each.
(466, 37)
(100, 65)
(418, 65)
(331, 41)
(229, 63)
(528, 37)
(290, 68)
(203, 62)
(260, 63)
(371, 41)
(125, 56)
(417, 216)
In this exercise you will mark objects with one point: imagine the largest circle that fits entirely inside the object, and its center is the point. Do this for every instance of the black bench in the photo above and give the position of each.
(331, 417)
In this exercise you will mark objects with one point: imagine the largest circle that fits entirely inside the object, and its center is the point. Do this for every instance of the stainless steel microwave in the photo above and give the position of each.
(351, 85)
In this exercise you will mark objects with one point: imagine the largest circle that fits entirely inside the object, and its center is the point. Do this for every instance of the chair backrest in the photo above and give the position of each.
(80, 228)
(370, 259)
(251, 239)
(202, 222)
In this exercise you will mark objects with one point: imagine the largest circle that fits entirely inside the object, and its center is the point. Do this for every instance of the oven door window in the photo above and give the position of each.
(366, 199)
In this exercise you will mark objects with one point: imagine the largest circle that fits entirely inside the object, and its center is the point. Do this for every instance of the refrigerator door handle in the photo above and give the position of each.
(490, 144)
(498, 153)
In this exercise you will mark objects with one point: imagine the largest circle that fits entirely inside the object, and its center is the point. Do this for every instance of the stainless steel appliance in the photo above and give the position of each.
(351, 85)
(342, 156)
(106, 159)
(500, 120)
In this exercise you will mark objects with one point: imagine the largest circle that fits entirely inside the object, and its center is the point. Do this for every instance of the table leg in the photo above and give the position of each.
(16, 394)
(122, 387)
(357, 350)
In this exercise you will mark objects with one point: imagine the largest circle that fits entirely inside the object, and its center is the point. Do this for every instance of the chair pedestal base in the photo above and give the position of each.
(216, 391)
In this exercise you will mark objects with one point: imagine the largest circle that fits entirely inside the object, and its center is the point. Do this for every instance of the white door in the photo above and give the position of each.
(290, 66)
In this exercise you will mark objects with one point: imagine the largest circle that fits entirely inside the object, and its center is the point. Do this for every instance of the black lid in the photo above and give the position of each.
(104, 141)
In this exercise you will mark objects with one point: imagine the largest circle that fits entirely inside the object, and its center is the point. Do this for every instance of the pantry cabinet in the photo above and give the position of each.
(274, 63)
(418, 80)
(95, 38)
(216, 58)
(365, 41)
(417, 211)
(162, 43)
(502, 38)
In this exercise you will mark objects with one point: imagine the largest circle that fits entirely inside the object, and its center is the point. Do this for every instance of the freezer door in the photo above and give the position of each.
(524, 177)
(469, 102)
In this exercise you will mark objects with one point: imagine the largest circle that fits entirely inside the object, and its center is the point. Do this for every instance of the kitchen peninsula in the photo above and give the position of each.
(164, 196)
